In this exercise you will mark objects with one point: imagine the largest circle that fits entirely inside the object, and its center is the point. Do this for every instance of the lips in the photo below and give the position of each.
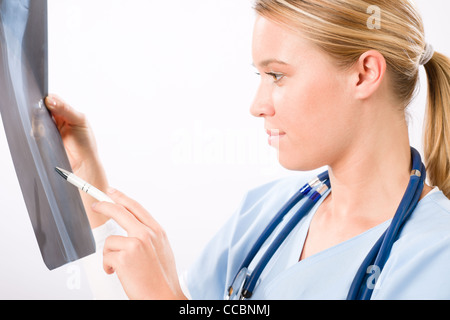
(274, 136)
(275, 132)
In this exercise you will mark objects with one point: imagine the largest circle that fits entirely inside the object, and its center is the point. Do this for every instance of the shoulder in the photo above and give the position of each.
(261, 203)
(438, 202)
(428, 224)
(418, 265)
(431, 215)
(276, 191)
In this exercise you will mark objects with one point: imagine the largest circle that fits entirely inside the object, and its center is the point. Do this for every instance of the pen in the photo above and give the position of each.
(83, 185)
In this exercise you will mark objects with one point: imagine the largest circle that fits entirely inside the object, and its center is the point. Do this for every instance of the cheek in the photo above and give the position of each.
(312, 116)
(321, 94)
(315, 103)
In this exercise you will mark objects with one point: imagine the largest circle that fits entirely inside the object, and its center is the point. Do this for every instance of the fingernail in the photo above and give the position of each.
(50, 102)
(94, 205)
(111, 190)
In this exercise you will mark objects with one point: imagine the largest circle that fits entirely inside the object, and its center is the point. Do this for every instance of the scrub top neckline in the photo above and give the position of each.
(298, 238)
(307, 225)
(286, 260)
(301, 231)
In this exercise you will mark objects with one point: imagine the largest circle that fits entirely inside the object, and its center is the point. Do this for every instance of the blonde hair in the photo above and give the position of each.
(342, 29)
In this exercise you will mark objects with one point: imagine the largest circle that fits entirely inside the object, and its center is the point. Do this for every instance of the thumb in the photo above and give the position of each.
(60, 108)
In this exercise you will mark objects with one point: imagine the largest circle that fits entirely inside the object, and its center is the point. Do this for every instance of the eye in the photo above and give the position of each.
(276, 76)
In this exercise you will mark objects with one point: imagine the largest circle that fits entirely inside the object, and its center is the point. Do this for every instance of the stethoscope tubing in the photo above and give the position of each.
(295, 199)
(274, 223)
(252, 280)
(377, 256)
(380, 252)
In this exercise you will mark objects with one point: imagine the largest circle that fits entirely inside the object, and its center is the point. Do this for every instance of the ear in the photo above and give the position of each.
(369, 72)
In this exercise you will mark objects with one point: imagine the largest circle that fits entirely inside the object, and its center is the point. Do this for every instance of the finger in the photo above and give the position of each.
(60, 108)
(134, 207)
(111, 261)
(113, 252)
(115, 243)
(119, 214)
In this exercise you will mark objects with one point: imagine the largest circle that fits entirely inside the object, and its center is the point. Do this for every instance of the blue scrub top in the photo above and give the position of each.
(418, 267)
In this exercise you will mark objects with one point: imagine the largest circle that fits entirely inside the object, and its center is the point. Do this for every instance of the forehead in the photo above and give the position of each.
(271, 41)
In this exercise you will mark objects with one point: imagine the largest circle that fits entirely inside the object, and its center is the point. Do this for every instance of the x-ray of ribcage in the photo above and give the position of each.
(55, 207)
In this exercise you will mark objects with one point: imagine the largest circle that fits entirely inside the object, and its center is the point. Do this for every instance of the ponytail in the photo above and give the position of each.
(437, 123)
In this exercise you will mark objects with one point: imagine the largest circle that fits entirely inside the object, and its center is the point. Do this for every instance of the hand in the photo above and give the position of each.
(81, 149)
(143, 261)
(77, 136)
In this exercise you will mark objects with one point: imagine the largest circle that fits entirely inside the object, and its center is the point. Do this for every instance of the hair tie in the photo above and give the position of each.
(426, 55)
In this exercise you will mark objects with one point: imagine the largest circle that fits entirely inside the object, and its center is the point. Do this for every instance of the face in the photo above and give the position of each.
(303, 98)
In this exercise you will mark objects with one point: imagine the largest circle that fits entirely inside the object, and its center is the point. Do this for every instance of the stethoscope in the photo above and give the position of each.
(244, 283)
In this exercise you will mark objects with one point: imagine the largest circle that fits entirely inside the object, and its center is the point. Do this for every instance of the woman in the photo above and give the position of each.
(333, 93)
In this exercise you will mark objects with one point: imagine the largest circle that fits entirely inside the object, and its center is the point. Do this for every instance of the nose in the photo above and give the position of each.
(262, 105)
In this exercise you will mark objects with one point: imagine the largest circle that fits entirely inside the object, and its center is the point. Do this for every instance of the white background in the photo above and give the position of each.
(167, 87)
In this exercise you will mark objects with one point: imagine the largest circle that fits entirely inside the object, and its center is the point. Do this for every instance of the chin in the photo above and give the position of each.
(299, 163)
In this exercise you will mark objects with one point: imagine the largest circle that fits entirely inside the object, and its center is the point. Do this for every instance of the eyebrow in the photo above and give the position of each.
(265, 63)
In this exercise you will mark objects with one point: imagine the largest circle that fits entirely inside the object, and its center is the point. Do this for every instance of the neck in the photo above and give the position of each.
(370, 177)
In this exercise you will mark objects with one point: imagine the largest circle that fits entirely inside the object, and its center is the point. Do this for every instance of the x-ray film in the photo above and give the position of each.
(55, 208)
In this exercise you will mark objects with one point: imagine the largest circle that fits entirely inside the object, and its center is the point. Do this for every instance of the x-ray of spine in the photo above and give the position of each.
(55, 207)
